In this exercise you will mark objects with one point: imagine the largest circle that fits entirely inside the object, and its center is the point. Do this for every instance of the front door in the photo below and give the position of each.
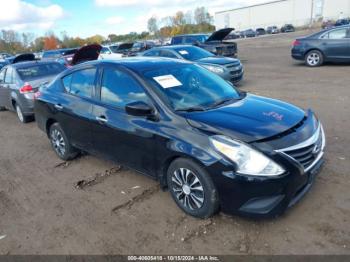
(337, 44)
(127, 139)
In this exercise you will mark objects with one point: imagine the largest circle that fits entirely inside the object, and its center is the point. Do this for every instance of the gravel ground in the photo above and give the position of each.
(117, 211)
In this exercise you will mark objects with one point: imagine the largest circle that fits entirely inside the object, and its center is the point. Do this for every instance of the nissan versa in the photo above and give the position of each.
(215, 148)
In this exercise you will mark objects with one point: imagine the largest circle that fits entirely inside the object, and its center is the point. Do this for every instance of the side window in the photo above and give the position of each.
(119, 89)
(166, 53)
(152, 53)
(105, 50)
(337, 34)
(9, 76)
(80, 83)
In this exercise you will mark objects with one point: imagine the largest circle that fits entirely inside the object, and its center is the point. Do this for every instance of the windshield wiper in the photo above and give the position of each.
(221, 102)
(191, 109)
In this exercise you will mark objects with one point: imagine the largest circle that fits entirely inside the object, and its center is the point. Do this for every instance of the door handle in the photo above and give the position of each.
(102, 119)
(58, 106)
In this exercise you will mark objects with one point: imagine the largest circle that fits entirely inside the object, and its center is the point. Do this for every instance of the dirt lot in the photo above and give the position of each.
(121, 212)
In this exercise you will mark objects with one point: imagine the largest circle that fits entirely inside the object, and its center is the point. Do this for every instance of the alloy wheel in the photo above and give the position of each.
(313, 59)
(58, 142)
(188, 189)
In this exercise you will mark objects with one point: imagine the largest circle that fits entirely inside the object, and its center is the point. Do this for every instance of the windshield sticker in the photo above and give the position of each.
(183, 52)
(167, 81)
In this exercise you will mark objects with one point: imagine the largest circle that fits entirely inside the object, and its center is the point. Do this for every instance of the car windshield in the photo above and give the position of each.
(193, 53)
(40, 70)
(189, 87)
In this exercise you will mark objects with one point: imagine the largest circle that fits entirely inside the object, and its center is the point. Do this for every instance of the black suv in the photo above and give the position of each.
(213, 43)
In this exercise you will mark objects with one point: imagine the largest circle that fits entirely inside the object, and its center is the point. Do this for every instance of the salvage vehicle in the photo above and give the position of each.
(121, 48)
(19, 82)
(287, 28)
(106, 53)
(272, 30)
(330, 45)
(248, 33)
(214, 147)
(213, 43)
(140, 46)
(230, 69)
(260, 31)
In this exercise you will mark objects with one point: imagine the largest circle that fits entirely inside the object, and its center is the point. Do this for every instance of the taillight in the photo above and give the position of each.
(27, 88)
(296, 43)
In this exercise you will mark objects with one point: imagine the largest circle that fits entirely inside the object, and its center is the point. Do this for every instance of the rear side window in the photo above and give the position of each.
(166, 53)
(119, 89)
(40, 70)
(80, 83)
(336, 34)
(152, 53)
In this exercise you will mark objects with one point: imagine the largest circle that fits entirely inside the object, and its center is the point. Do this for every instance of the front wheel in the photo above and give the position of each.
(192, 188)
(314, 58)
(61, 144)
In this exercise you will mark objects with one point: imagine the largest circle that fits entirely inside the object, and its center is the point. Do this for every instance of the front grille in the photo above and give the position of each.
(308, 152)
(235, 69)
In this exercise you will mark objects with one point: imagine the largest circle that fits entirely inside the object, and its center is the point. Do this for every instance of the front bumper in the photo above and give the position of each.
(266, 197)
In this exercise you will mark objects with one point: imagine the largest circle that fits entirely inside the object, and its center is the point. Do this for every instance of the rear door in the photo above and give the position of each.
(6, 87)
(117, 135)
(336, 44)
(74, 107)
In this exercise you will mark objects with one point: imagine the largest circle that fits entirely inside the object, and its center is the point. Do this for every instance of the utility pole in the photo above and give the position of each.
(312, 13)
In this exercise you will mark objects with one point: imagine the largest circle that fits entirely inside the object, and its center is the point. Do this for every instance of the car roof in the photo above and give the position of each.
(137, 64)
(31, 63)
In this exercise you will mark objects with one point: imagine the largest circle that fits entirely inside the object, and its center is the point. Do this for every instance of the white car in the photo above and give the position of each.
(106, 53)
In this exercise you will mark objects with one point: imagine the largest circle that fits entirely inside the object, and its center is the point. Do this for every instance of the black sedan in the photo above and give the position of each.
(212, 146)
(331, 45)
(228, 68)
(19, 82)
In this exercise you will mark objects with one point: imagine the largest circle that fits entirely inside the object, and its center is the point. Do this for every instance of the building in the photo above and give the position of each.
(296, 12)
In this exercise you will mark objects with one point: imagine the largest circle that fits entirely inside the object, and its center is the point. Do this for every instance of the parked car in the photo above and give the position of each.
(67, 57)
(21, 58)
(272, 30)
(106, 53)
(327, 24)
(249, 33)
(260, 31)
(331, 45)
(3, 63)
(213, 43)
(140, 46)
(19, 82)
(342, 22)
(214, 147)
(228, 68)
(121, 48)
(232, 36)
(54, 54)
(287, 28)
(4, 55)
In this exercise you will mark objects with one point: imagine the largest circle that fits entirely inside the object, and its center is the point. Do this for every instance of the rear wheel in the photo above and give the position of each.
(314, 58)
(22, 118)
(61, 144)
(192, 188)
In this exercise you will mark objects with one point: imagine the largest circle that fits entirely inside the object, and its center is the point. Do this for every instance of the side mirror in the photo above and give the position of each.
(139, 108)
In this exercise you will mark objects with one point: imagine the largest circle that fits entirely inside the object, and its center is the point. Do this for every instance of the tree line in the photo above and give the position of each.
(195, 21)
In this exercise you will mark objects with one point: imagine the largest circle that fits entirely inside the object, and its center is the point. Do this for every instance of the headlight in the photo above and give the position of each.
(214, 69)
(248, 160)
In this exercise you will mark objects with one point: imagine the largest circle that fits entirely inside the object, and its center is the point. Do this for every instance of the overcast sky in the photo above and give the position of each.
(88, 17)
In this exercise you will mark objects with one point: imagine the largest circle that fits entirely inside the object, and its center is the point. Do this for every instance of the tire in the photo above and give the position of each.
(61, 144)
(314, 58)
(192, 188)
(21, 117)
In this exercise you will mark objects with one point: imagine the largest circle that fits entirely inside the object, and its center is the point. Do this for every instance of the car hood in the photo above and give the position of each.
(218, 60)
(86, 53)
(250, 119)
(220, 34)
